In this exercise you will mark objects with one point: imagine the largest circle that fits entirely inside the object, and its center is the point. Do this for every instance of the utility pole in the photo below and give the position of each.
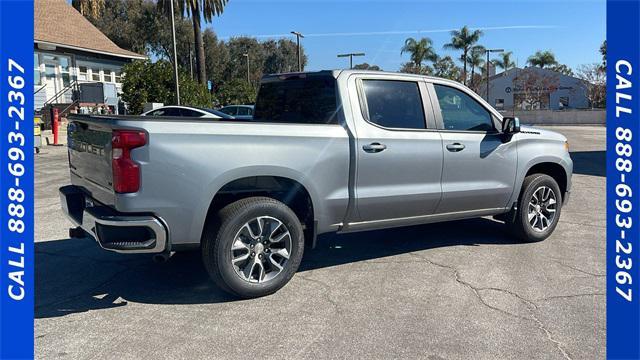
(490, 51)
(175, 55)
(247, 56)
(298, 36)
(351, 55)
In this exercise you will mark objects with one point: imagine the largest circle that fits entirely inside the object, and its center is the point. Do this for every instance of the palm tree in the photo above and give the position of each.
(504, 62)
(420, 50)
(197, 9)
(89, 8)
(475, 59)
(542, 59)
(463, 39)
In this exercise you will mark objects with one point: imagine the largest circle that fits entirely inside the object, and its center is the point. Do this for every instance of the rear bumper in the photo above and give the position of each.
(113, 231)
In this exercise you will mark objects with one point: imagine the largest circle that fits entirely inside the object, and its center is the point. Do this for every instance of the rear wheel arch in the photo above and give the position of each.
(284, 189)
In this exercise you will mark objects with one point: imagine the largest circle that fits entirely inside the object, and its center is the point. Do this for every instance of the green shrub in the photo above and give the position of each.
(146, 82)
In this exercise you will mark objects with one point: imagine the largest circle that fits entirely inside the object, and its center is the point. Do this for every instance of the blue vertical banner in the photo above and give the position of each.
(16, 179)
(623, 182)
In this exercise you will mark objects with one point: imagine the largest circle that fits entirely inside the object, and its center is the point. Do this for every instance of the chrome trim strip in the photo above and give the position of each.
(420, 219)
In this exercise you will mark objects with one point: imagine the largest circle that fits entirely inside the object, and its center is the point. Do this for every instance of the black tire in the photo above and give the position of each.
(520, 227)
(220, 233)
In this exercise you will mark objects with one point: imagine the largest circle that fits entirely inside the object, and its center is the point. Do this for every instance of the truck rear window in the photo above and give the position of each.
(310, 100)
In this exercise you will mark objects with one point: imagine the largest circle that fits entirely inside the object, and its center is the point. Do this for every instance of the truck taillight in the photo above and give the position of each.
(126, 172)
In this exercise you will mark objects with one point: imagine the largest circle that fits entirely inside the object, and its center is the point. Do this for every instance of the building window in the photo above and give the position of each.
(499, 104)
(50, 71)
(82, 73)
(108, 77)
(118, 75)
(564, 102)
(36, 70)
(95, 74)
(64, 71)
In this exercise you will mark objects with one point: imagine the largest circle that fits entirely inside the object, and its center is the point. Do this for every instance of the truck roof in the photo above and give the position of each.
(336, 72)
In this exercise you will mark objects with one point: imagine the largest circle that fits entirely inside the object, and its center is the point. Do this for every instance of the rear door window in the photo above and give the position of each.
(394, 104)
(302, 100)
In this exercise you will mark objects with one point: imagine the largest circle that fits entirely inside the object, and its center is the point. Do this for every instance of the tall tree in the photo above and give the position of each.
(420, 51)
(463, 39)
(89, 8)
(411, 68)
(237, 66)
(603, 52)
(217, 57)
(476, 60)
(446, 68)
(121, 21)
(504, 62)
(367, 66)
(281, 56)
(595, 82)
(562, 69)
(542, 59)
(197, 10)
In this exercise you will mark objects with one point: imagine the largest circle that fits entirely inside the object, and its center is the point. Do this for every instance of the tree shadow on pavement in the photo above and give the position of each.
(75, 275)
(589, 162)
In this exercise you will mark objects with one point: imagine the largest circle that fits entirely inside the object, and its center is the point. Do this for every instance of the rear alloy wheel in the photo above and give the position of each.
(539, 208)
(261, 249)
(253, 246)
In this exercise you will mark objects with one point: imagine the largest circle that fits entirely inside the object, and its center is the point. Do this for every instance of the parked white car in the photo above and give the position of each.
(187, 111)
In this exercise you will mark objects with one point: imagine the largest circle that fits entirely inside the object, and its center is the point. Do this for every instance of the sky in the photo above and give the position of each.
(573, 30)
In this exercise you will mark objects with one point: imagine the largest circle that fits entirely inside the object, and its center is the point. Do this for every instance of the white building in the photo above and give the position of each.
(70, 51)
(533, 88)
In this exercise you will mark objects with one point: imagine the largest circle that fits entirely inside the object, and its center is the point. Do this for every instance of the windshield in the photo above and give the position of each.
(307, 100)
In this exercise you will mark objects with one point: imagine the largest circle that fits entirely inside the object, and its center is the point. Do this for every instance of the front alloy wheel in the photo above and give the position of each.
(538, 209)
(542, 208)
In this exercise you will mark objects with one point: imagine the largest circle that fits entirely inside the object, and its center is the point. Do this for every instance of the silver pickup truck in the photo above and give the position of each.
(328, 151)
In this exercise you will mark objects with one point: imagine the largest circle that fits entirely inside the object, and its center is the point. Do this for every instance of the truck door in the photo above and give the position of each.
(479, 162)
(399, 153)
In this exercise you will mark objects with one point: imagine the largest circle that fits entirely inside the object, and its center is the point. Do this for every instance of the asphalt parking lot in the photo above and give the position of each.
(444, 291)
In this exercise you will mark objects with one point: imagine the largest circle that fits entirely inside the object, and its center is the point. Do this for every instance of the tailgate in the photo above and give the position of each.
(89, 144)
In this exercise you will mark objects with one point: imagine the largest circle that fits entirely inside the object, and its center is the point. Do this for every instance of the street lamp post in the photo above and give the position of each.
(298, 36)
(490, 51)
(350, 56)
(175, 55)
(248, 72)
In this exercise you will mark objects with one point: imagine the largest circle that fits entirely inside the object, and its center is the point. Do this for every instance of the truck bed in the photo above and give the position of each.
(186, 162)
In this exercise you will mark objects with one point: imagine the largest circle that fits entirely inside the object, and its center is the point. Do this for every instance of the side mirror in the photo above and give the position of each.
(510, 125)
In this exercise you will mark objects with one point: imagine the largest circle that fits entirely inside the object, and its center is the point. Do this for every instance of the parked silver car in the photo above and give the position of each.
(330, 151)
(243, 112)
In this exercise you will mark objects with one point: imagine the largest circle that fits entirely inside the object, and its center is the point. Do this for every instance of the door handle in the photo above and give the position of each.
(374, 147)
(455, 147)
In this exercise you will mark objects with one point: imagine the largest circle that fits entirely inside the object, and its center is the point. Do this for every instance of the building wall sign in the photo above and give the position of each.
(516, 89)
